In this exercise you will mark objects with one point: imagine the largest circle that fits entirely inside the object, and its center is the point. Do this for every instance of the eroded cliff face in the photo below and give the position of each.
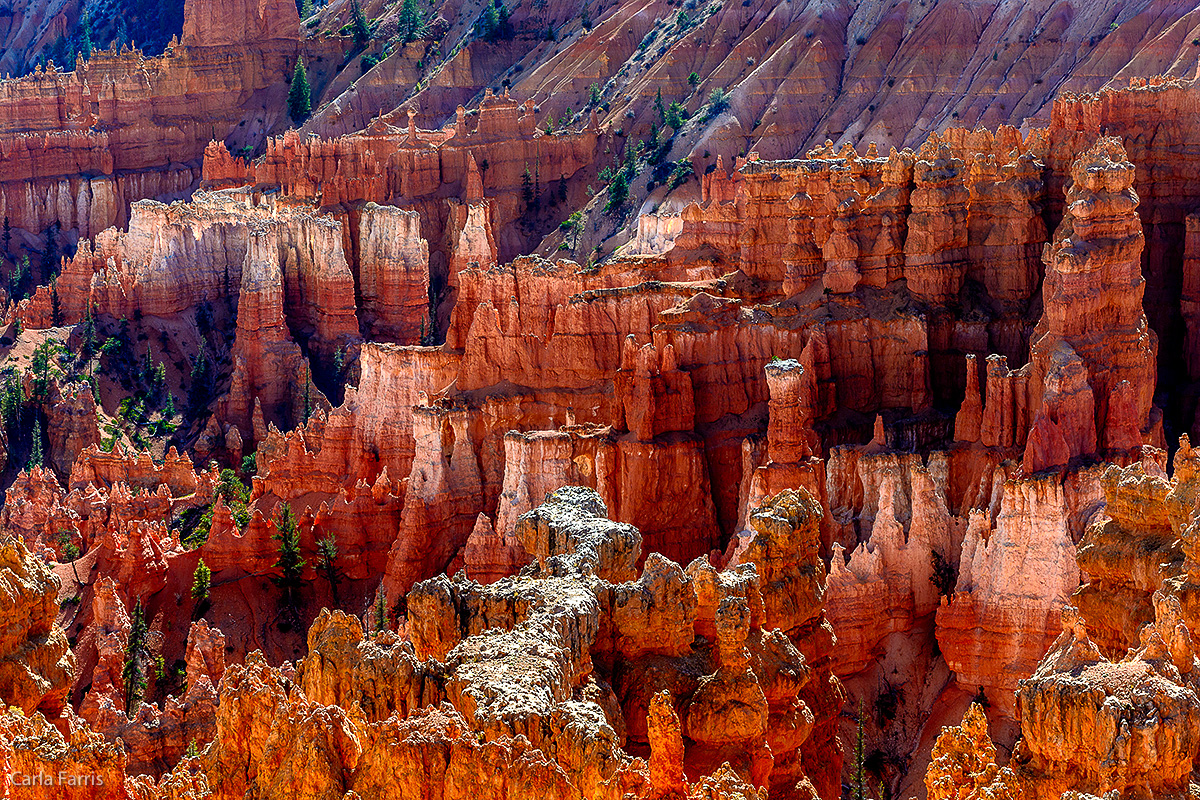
(552, 675)
(894, 411)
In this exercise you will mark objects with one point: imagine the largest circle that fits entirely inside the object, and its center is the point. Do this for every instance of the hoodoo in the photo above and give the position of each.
(609, 401)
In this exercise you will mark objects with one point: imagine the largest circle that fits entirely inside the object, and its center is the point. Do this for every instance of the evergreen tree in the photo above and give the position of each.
(307, 410)
(135, 655)
(381, 615)
(12, 402)
(198, 388)
(858, 789)
(39, 367)
(7, 240)
(201, 581)
(290, 564)
(658, 106)
(300, 95)
(85, 35)
(359, 25)
(51, 255)
(493, 23)
(55, 305)
(327, 554)
(562, 188)
(618, 191)
(527, 188)
(675, 116)
(410, 27)
(18, 279)
(88, 345)
(35, 453)
(489, 23)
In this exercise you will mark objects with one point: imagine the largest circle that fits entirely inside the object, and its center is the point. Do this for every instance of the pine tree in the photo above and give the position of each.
(290, 563)
(55, 305)
(359, 25)
(300, 95)
(7, 240)
(88, 345)
(198, 387)
(527, 188)
(35, 453)
(489, 23)
(410, 27)
(201, 581)
(658, 106)
(858, 789)
(307, 410)
(85, 35)
(381, 615)
(50, 256)
(327, 554)
(135, 654)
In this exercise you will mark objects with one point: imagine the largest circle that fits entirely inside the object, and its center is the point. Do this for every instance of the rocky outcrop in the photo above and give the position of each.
(524, 669)
(1093, 345)
(393, 275)
(1091, 725)
(1013, 581)
(36, 666)
(963, 763)
(1131, 548)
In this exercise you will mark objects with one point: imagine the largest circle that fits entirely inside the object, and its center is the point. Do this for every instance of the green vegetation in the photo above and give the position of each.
(572, 226)
(493, 23)
(944, 575)
(132, 675)
(231, 489)
(618, 193)
(201, 582)
(381, 614)
(192, 525)
(35, 452)
(858, 785)
(410, 26)
(718, 102)
(327, 556)
(290, 564)
(359, 27)
(300, 95)
(527, 188)
(676, 115)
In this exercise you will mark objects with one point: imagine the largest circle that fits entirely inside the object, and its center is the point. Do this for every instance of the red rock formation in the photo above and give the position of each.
(71, 424)
(1013, 581)
(1093, 322)
(393, 275)
(79, 147)
(963, 763)
(477, 636)
(1081, 728)
(35, 662)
